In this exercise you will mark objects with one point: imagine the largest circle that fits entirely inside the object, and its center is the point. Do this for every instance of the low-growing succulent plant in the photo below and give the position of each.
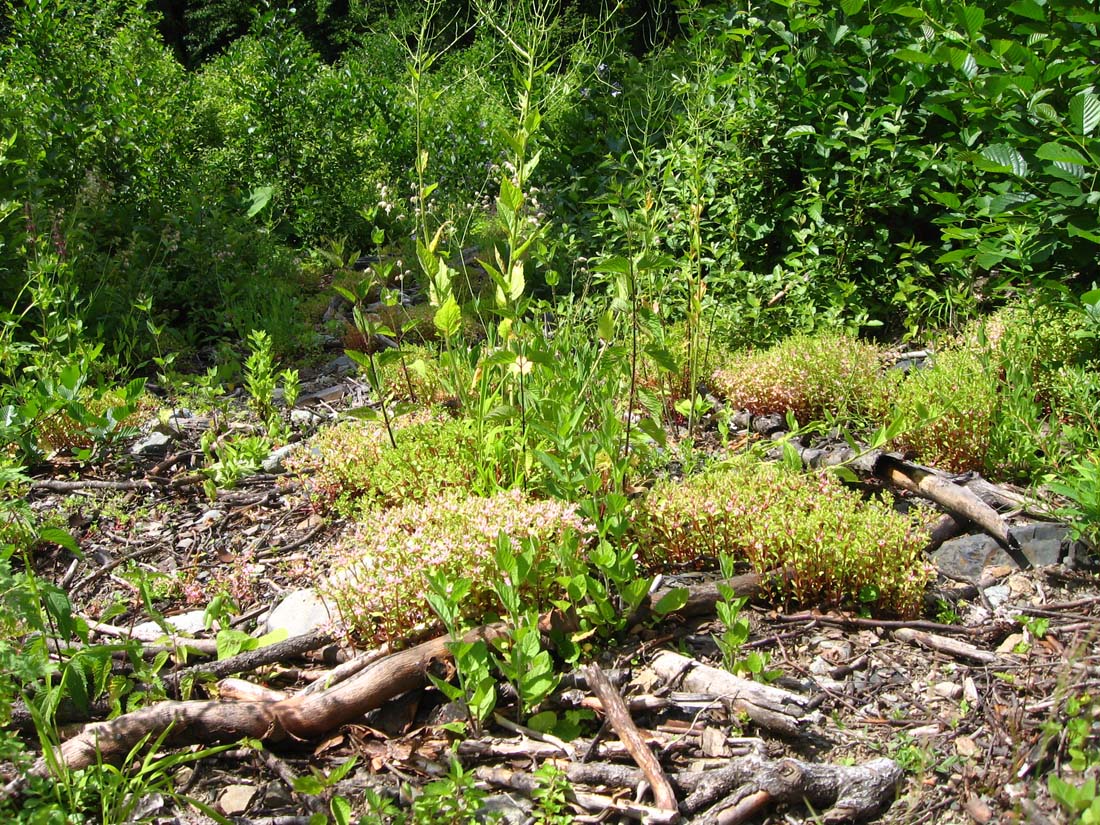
(807, 375)
(833, 546)
(352, 465)
(949, 410)
(377, 577)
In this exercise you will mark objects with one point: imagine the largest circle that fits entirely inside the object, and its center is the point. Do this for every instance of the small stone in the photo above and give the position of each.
(966, 747)
(970, 691)
(235, 799)
(274, 461)
(186, 624)
(925, 731)
(156, 443)
(947, 690)
(507, 808)
(836, 651)
(997, 595)
(979, 811)
(300, 612)
(300, 416)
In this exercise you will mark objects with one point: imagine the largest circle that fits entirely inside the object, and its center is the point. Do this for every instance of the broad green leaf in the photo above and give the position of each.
(908, 11)
(258, 199)
(1084, 112)
(913, 56)
(1088, 233)
(800, 131)
(606, 326)
(62, 538)
(971, 18)
(851, 7)
(672, 601)
(613, 264)
(1059, 152)
(1029, 9)
(448, 318)
(1005, 158)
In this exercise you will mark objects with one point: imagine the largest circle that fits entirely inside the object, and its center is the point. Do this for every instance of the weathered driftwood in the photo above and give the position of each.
(526, 783)
(849, 793)
(974, 500)
(773, 709)
(739, 789)
(619, 717)
(303, 716)
(958, 500)
(955, 648)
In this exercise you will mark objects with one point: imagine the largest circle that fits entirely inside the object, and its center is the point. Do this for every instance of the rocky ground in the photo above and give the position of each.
(976, 704)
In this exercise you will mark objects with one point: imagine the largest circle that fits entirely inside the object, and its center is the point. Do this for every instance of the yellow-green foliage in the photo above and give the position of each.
(419, 378)
(352, 465)
(809, 375)
(836, 547)
(377, 577)
(948, 409)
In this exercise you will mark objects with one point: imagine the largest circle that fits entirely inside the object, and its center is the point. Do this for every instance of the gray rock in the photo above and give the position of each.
(154, 444)
(342, 365)
(1043, 544)
(274, 461)
(299, 416)
(300, 612)
(505, 807)
(185, 624)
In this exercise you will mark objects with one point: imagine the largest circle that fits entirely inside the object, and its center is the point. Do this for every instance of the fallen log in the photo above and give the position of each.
(771, 708)
(303, 716)
(849, 793)
(974, 500)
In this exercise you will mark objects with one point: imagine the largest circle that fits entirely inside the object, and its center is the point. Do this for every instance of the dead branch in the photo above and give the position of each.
(955, 648)
(619, 717)
(299, 717)
(772, 708)
(851, 793)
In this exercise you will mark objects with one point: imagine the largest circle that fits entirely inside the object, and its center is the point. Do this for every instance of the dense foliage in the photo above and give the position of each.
(589, 235)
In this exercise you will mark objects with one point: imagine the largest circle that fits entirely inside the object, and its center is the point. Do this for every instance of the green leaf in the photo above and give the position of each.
(1029, 9)
(62, 538)
(1005, 158)
(309, 785)
(1084, 112)
(613, 265)
(448, 318)
(971, 18)
(258, 199)
(800, 131)
(230, 642)
(851, 7)
(672, 601)
(1059, 152)
(913, 56)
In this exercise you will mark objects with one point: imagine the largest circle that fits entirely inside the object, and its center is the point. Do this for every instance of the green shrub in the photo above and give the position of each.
(835, 547)
(809, 375)
(377, 575)
(352, 466)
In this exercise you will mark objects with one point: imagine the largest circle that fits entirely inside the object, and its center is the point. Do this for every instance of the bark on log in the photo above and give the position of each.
(303, 716)
(624, 726)
(850, 793)
(955, 648)
(959, 501)
(771, 708)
